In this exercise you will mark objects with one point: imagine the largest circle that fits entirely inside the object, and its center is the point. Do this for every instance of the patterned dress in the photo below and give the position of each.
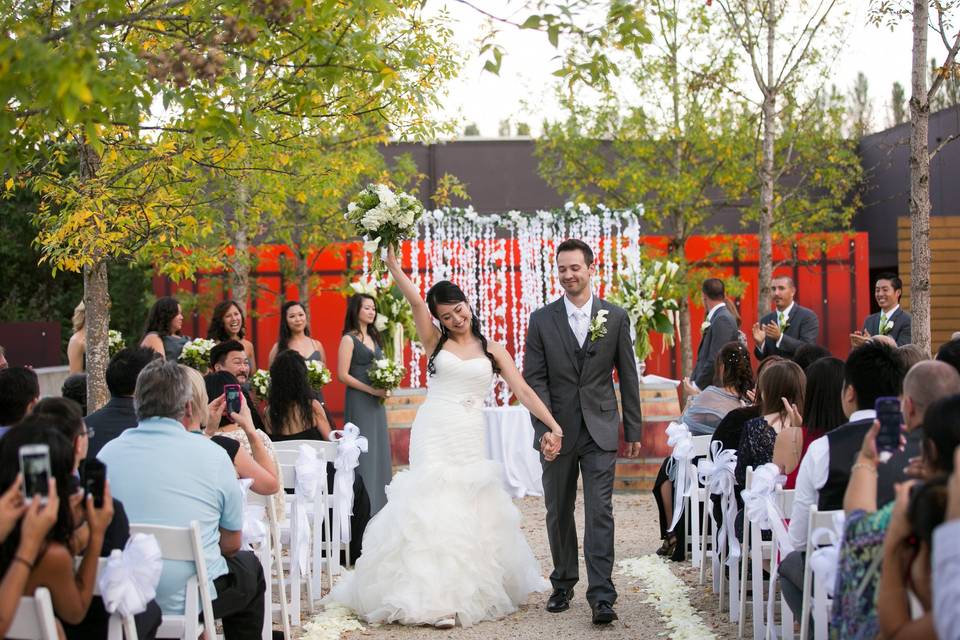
(240, 436)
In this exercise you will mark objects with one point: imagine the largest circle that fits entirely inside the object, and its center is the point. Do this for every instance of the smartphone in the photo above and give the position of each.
(93, 475)
(233, 394)
(891, 423)
(35, 467)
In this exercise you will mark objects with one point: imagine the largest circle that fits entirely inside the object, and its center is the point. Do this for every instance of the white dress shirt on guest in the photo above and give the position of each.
(813, 474)
(580, 324)
(946, 580)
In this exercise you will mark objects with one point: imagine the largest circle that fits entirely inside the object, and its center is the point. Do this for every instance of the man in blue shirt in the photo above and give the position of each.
(169, 476)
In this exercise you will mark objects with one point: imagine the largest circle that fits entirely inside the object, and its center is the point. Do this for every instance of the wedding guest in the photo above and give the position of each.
(168, 476)
(231, 356)
(731, 427)
(293, 413)
(719, 329)
(227, 324)
(891, 320)
(19, 391)
(807, 354)
(75, 388)
(295, 334)
(949, 352)
(912, 354)
(162, 332)
(359, 347)
(946, 563)
(118, 415)
(732, 308)
(871, 371)
(77, 346)
(782, 332)
(71, 589)
(3, 358)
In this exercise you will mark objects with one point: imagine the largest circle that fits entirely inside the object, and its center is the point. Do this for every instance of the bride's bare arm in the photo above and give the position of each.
(525, 394)
(426, 330)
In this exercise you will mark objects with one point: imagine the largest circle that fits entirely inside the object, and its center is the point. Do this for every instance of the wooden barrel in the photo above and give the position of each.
(401, 408)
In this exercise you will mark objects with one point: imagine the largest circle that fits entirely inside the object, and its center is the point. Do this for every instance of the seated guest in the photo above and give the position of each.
(855, 608)
(891, 320)
(783, 331)
(729, 430)
(162, 331)
(230, 356)
(703, 413)
(871, 371)
(808, 354)
(118, 415)
(946, 563)
(19, 391)
(720, 329)
(169, 476)
(75, 388)
(294, 413)
(912, 354)
(71, 589)
(822, 412)
(949, 352)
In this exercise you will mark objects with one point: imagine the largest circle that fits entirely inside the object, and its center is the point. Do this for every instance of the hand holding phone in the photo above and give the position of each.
(35, 467)
(93, 477)
(891, 424)
(234, 397)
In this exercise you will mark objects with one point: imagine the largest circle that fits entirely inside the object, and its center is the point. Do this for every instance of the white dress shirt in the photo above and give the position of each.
(946, 580)
(786, 318)
(713, 310)
(579, 318)
(813, 474)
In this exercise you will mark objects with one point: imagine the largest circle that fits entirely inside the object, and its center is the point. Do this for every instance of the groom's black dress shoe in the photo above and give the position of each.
(559, 600)
(603, 613)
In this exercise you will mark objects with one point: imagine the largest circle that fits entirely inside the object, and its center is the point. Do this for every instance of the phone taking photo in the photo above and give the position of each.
(93, 477)
(891, 423)
(233, 395)
(35, 467)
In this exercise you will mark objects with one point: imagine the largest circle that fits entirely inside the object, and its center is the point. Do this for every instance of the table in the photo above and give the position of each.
(509, 437)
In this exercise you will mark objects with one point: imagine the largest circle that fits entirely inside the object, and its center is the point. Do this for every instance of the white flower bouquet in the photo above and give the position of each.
(317, 374)
(385, 373)
(115, 341)
(260, 381)
(196, 354)
(650, 293)
(383, 218)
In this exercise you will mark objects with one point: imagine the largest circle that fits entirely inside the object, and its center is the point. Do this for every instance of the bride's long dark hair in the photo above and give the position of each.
(445, 292)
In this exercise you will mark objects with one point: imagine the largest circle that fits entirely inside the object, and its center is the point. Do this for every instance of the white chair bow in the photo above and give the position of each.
(350, 444)
(254, 519)
(129, 580)
(825, 560)
(678, 437)
(310, 471)
(717, 475)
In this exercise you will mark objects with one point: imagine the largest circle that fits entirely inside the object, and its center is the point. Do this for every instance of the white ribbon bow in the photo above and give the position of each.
(825, 560)
(310, 471)
(254, 516)
(678, 437)
(717, 475)
(129, 580)
(350, 444)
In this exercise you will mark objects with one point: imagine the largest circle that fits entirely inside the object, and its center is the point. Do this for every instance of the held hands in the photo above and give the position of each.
(550, 444)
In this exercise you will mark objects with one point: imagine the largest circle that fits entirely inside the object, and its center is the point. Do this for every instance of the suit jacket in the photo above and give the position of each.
(576, 382)
(109, 421)
(900, 331)
(803, 327)
(722, 329)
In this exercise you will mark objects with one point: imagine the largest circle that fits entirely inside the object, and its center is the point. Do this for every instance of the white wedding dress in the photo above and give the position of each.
(448, 540)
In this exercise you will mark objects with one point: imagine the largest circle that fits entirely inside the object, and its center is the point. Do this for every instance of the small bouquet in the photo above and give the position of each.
(386, 373)
(115, 341)
(260, 382)
(383, 218)
(317, 374)
(196, 354)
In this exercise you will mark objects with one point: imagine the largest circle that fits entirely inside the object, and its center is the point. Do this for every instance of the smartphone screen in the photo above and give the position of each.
(891, 423)
(35, 467)
(93, 475)
(232, 392)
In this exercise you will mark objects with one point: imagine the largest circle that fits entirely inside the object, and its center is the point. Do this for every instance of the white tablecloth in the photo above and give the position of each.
(510, 442)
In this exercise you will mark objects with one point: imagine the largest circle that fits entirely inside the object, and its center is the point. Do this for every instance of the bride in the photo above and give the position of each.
(447, 546)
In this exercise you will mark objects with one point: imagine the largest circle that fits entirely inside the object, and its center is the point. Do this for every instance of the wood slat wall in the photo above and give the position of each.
(944, 273)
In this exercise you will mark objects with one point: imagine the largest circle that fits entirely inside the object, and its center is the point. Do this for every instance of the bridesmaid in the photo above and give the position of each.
(295, 334)
(227, 324)
(162, 333)
(359, 347)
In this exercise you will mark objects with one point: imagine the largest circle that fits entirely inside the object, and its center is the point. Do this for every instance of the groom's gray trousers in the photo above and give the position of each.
(560, 490)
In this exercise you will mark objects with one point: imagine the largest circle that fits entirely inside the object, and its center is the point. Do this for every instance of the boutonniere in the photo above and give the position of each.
(598, 326)
(704, 325)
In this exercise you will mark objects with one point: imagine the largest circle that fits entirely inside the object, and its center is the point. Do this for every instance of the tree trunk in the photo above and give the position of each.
(767, 176)
(920, 183)
(96, 299)
(303, 278)
(240, 262)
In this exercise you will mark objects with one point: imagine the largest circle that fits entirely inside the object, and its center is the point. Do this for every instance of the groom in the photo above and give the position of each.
(572, 347)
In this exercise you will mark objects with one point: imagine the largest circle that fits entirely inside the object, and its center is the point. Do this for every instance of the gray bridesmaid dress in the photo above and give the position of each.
(366, 411)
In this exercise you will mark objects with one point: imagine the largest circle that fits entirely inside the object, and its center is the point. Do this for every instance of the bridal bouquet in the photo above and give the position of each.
(386, 374)
(196, 354)
(317, 374)
(383, 218)
(260, 381)
(650, 294)
(115, 341)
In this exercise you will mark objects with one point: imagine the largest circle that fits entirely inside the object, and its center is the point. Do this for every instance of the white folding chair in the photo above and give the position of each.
(814, 591)
(269, 554)
(34, 619)
(784, 499)
(118, 626)
(184, 544)
(698, 496)
(754, 551)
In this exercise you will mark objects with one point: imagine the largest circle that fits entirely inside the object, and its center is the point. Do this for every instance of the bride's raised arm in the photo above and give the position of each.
(426, 330)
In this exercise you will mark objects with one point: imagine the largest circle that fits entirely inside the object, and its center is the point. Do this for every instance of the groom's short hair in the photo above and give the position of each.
(713, 288)
(572, 244)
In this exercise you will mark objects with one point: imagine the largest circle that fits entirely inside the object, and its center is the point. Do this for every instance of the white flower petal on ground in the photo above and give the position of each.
(669, 595)
(331, 623)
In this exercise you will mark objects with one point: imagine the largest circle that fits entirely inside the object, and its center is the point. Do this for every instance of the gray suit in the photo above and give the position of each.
(803, 327)
(576, 384)
(723, 329)
(901, 330)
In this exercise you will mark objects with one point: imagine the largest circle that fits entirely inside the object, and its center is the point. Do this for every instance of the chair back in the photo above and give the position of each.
(814, 595)
(325, 450)
(34, 619)
(701, 445)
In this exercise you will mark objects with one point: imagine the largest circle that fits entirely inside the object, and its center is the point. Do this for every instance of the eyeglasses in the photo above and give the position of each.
(88, 432)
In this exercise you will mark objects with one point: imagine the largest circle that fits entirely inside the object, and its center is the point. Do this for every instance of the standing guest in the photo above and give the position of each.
(293, 412)
(227, 324)
(718, 329)
(75, 388)
(949, 352)
(3, 358)
(782, 332)
(169, 476)
(822, 413)
(77, 346)
(359, 347)
(891, 320)
(19, 391)
(118, 415)
(946, 562)
(295, 334)
(807, 354)
(162, 332)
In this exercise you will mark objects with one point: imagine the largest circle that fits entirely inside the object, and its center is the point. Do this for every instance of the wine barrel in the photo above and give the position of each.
(660, 405)
(401, 409)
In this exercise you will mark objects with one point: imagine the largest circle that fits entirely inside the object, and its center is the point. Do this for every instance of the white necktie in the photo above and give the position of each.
(580, 326)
